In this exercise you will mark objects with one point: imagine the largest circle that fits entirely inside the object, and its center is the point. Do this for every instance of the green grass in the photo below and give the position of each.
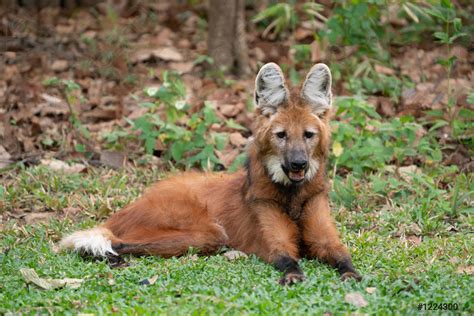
(376, 222)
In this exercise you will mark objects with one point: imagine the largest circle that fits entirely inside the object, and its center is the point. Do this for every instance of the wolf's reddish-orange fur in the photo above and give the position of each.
(207, 211)
(246, 210)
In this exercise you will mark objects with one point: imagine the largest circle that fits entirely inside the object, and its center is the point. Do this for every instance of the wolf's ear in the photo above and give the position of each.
(270, 89)
(317, 88)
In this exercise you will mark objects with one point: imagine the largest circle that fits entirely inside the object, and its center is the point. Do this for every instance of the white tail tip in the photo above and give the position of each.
(95, 241)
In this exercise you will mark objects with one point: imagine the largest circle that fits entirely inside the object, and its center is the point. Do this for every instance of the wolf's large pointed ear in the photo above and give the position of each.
(317, 89)
(270, 88)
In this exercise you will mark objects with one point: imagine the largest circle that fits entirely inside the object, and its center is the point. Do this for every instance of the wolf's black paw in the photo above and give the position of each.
(291, 278)
(115, 261)
(351, 275)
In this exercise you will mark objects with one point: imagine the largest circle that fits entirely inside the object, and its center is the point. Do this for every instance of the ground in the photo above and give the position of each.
(401, 268)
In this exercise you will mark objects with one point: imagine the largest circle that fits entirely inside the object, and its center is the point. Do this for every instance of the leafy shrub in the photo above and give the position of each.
(373, 84)
(188, 140)
(281, 17)
(362, 142)
(358, 23)
(71, 92)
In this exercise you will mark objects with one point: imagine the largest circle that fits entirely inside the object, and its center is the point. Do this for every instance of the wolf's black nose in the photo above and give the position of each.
(298, 164)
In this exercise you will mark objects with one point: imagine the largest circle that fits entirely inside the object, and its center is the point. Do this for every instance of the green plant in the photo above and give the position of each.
(188, 139)
(107, 56)
(71, 93)
(358, 23)
(217, 75)
(356, 26)
(279, 17)
(362, 142)
(446, 14)
(376, 226)
(302, 53)
(282, 17)
(203, 59)
(373, 83)
(447, 28)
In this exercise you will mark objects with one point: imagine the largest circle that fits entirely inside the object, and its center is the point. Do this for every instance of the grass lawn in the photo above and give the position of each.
(410, 237)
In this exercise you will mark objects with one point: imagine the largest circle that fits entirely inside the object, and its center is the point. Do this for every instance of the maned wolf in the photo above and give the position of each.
(277, 207)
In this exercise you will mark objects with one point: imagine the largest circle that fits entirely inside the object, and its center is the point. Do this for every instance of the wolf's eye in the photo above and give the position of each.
(308, 134)
(281, 134)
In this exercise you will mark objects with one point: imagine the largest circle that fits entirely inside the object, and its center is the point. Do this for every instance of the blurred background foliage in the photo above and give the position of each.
(126, 82)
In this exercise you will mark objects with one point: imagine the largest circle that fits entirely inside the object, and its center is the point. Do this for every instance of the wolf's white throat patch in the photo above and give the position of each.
(312, 169)
(273, 165)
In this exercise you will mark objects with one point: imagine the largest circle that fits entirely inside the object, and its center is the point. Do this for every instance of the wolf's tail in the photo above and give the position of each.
(96, 241)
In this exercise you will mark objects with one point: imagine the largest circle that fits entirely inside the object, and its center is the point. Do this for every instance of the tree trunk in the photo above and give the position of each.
(39, 4)
(226, 37)
(240, 44)
(261, 5)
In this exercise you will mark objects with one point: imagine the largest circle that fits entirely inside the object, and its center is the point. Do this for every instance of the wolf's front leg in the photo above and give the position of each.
(279, 242)
(322, 239)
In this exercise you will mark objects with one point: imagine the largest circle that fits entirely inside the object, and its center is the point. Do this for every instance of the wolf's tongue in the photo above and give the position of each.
(296, 175)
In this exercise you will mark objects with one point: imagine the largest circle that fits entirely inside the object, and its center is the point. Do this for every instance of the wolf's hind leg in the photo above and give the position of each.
(170, 242)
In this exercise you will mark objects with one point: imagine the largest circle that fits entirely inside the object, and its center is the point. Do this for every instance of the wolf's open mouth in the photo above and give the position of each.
(296, 176)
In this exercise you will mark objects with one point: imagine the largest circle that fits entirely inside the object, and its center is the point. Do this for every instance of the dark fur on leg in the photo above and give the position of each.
(115, 261)
(346, 270)
(290, 268)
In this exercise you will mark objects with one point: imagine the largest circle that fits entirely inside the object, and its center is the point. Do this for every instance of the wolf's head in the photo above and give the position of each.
(292, 131)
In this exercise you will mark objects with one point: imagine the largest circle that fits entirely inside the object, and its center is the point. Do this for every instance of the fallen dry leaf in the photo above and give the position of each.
(237, 139)
(302, 33)
(167, 54)
(384, 106)
(149, 281)
(60, 65)
(227, 156)
(415, 240)
(53, 106)
(384, 70)
(71, 211)
(370, 290)
(101, 113)
(55, 248)
(58, 165)
(4, 158)
(235, 254)
(407, 172)
(51, 99)
(454, 260)
(140, 55)
(229, 110)
(113, 159)
(31, 276)
(356, 299)
(413, 229)
(193, 257)
(318, 53)
(465, 269)
(182, 67)
(38, 217)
